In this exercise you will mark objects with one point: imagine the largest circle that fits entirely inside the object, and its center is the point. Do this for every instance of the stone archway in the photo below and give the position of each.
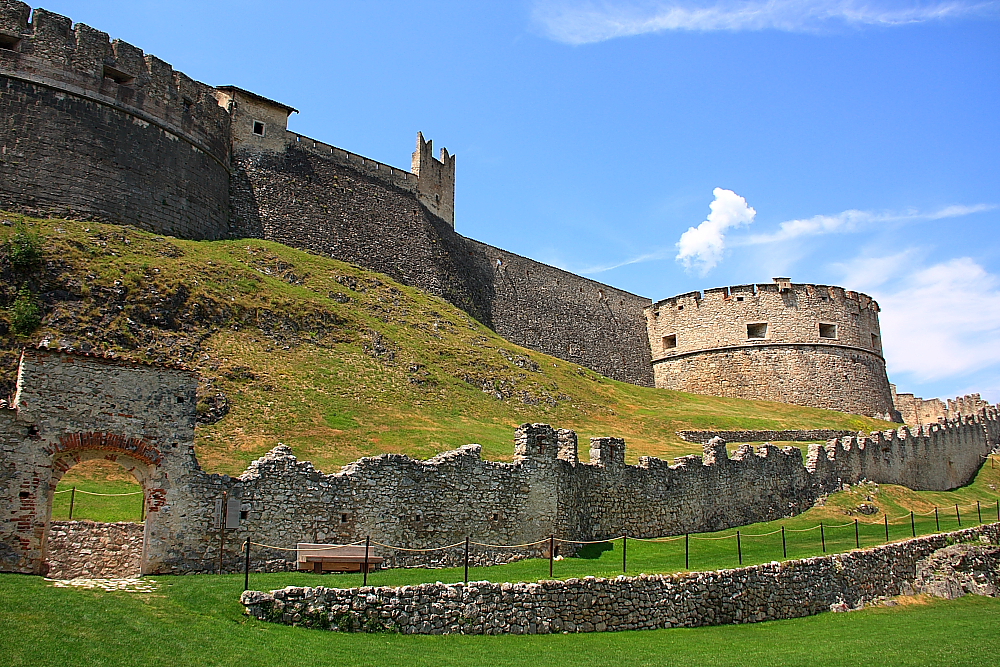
(92, 549)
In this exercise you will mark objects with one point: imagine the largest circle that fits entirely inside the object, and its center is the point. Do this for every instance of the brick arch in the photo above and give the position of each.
(134, 448)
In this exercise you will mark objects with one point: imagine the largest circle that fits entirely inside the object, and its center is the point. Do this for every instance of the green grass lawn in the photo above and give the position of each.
(198, 621)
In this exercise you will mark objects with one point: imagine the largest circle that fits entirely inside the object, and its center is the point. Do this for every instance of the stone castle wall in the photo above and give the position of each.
(772, 591)
(95, 129)
(69, 408)
(339, 205)
(812, 345)
(806, 435)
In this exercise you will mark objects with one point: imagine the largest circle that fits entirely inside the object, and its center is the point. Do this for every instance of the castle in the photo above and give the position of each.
(96, 129)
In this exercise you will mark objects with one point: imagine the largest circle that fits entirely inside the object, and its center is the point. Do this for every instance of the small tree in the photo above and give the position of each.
(25, 313)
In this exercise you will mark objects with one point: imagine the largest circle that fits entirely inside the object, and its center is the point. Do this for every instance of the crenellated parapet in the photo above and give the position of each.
(47, 49)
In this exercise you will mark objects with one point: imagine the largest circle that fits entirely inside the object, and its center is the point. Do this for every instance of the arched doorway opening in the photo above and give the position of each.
(101, 549)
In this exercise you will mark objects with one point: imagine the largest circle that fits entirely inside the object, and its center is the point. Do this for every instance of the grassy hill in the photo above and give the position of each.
(332, 360)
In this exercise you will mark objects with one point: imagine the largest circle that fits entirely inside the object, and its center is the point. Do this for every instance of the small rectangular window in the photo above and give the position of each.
(118, 76)
(739, 298)
(827, 330)
(258, 128)
(669, 341)
(757, 330)
(9, 42)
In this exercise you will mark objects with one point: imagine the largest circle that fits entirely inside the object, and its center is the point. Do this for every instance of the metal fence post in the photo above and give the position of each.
(72, 501)
(822, 536)
(624, 551)
(784, 547)
(246, 567)
(937, 520)
(222, 530)
(739, 547)
(857, 535)
(687, 551)
(552, 554)
(979, 511)
(368, 542)
(958, 516)
(466, 559)
(913, 524)
(886, 518)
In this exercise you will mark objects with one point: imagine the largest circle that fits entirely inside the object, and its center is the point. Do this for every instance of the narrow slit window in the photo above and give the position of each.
(669, 341)
(875, 344)
(757, 330)
(259, 128)
(827, 330)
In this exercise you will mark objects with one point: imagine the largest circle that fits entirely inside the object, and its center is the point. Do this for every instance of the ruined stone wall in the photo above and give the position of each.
(811, 345)
(70, 408)
(766, 592)
(91, 549)
(94, 129)
(332, 203)
(916, 411)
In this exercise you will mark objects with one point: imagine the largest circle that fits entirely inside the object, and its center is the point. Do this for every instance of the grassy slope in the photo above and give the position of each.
(332, 360)
(196, 621)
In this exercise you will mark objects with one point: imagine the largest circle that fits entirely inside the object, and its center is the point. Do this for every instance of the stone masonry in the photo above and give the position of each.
(71, 407)
(812, 345)
(773, 591)
(94, 550)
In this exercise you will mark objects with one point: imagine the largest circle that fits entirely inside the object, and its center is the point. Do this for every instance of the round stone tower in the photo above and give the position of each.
(813, 345)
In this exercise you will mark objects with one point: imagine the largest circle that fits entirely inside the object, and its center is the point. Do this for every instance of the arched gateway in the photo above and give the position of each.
(70, 408)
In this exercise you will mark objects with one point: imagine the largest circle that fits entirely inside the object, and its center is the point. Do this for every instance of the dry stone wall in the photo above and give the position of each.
(812, 345)
(767, 592)
(94, 550)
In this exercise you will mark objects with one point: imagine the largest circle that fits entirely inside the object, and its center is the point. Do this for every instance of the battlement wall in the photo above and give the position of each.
(917, 411)
(99, 130)
(815, 345)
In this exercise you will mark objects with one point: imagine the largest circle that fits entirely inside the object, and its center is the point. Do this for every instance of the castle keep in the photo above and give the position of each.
(96, 129)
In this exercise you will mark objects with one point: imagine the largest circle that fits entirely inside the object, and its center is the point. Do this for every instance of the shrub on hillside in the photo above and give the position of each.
(25, 313)
(24, 249)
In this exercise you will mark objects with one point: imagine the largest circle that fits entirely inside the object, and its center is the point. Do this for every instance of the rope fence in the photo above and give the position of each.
(73, 492)
(832, 532)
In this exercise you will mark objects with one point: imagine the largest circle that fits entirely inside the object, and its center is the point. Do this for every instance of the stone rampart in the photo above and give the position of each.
(98, 550)
(807, 435)
(773, 591)
(916, 411)
(69, 408)
(814, 345)
(99, 130)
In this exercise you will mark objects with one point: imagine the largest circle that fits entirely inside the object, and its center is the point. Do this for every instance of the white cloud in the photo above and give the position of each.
(939, 321)
(854, 220)
(582, 23)
(702, 246)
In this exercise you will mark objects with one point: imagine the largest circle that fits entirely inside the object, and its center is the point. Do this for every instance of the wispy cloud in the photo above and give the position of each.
(854, 220)
(582, 23)
(938, 322)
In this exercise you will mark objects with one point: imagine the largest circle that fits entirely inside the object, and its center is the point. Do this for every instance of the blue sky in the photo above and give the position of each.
(864, 136)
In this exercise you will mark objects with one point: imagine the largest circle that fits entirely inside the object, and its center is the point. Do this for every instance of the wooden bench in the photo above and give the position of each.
(335, 558)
